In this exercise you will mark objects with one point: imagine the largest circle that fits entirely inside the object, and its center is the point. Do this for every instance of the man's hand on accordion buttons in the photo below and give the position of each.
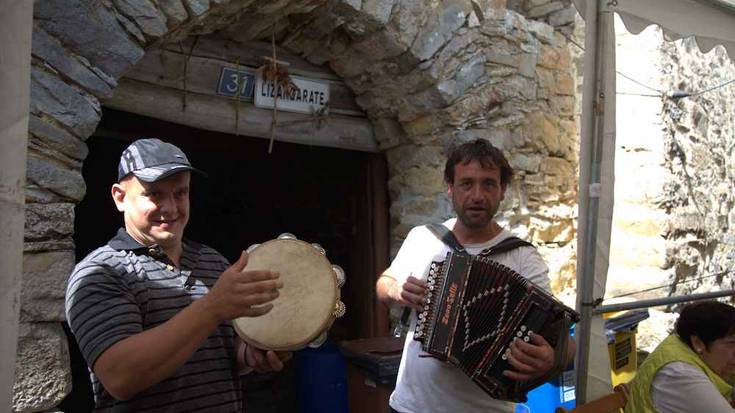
(530, 359)
(411, 293)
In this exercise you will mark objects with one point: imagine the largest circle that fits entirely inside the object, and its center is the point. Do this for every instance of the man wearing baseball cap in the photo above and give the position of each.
(150, 310)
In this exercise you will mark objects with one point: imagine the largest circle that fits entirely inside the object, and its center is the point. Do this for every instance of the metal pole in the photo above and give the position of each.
(654, 302)
(587, 203)
(16, 22)
(593, 103)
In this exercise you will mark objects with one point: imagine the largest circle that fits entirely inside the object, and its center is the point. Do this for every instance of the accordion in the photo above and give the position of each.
(475, 308)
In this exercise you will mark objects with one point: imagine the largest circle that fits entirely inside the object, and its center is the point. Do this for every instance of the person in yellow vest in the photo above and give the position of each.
(692, 370)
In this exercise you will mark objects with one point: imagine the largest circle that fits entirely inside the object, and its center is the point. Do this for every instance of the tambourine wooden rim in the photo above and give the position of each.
(306, 305)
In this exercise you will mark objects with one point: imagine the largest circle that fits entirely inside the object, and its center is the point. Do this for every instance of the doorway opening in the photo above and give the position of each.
(334, 197)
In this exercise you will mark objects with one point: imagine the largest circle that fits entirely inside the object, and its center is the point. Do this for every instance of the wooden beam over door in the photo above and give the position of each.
(218, 114)
(183, 88)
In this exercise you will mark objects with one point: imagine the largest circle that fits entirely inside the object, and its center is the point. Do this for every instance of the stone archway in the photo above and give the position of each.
(426, 74)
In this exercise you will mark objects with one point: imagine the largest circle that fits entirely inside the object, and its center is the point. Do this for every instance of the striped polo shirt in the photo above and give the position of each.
(124, 288)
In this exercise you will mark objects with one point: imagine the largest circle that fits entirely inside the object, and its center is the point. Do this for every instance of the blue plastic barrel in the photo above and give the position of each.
(559, 391)
(556, 392)
(321, 380)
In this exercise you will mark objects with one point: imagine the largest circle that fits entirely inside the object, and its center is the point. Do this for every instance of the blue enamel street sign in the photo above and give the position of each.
(232, 80)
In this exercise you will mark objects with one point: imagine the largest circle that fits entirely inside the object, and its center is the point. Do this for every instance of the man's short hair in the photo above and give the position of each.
(481, 151)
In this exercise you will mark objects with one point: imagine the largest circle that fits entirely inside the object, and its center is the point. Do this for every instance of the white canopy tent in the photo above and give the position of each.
(711, 22)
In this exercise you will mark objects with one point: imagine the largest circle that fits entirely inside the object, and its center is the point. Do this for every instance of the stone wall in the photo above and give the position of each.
(427, 74)
(700, 145)
(637, 245)
(674, 171)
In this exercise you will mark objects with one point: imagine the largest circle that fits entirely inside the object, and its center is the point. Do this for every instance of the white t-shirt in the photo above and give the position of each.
(425, 384)
(679, 387)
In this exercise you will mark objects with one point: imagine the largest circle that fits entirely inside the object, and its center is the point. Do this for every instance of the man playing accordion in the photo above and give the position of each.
(477, 176)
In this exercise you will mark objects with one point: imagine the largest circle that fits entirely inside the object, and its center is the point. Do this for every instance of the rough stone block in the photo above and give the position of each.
(552, 166)
(526, 162)
(90, 29)
(422, 125)
(563, 105)
(42, 372)
(388, 132)
(483, 7)
(423, 102)
(544, 133)
(44, 285)
(527, 64)
(439, 28)
(130, 26)
(53, 53)
(542, 31)
(460, 49)
(564, 84)
(563, 17)
(545, 231)
(411, 156)
(174, 11)
(545, 9)
(47, 246)
(55, 177)
(502, 58)
(57, 138)
(49, 221)
(73, 108)
(380, 45)
(378, 9)
(348, 64)
(519, 86)
(554, 58)
(408, 18)
(146, 16)
(464, 78)
(196, 7)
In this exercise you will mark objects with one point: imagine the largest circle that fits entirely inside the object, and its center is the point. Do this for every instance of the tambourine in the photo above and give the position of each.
(308, 303)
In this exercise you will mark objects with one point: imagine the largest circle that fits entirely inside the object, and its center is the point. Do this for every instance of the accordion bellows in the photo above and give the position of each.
(474, 309)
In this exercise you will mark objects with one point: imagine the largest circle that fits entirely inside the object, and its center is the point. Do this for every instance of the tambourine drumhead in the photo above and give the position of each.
(306, 303)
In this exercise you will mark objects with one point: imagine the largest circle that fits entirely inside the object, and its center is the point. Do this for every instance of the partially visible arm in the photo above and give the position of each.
(397, 286)
(142, 360)
(682, 388)
(409, 293)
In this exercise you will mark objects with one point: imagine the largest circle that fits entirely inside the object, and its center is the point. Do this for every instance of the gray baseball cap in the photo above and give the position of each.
(152, 159)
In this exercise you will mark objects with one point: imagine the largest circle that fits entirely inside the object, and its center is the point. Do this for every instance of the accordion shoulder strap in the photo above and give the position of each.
(505, 245)
(447, 237)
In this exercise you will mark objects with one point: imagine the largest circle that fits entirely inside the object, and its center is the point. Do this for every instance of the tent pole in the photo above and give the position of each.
(590, 155)
(16, 22)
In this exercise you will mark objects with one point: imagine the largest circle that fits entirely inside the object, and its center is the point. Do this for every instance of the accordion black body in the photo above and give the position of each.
(475, 307)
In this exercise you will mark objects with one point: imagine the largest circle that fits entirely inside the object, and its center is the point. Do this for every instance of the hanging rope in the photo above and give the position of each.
(237, 95)
(186, 68)
(276, 83)
(276, 72)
